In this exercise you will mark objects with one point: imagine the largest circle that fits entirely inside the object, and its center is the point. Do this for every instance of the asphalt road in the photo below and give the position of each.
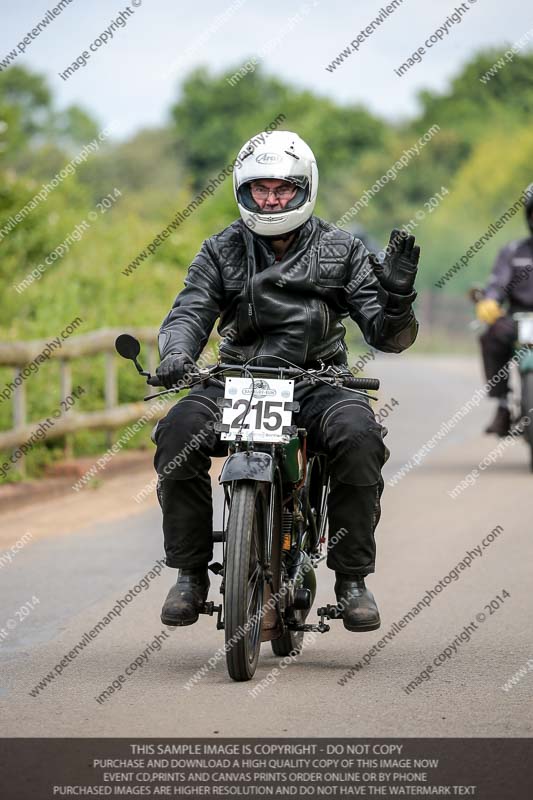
(423, 535)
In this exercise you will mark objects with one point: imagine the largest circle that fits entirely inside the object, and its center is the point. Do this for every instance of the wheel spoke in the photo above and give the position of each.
(253, 591)
(253, 576)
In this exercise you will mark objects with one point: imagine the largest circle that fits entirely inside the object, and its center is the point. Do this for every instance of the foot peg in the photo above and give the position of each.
(330, 612)
(305, 628)
(326, 612)
(210, 608)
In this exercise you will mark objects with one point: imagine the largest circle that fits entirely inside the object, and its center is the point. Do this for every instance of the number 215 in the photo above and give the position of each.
(263, 413)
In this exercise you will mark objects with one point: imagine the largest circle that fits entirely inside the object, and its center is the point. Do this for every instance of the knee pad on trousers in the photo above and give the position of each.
(185, 440)
(359, 452)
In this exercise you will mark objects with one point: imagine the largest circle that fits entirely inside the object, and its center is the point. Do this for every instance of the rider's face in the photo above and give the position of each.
(272, 194)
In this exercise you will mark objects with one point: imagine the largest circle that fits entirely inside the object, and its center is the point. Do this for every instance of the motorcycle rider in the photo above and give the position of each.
(280, 280)
(510, 284)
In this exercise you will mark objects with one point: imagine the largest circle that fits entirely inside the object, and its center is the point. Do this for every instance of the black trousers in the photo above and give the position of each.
(339, 424)
(497, 348)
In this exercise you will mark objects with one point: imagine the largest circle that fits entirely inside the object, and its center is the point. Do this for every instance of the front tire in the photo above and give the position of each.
(243, 579)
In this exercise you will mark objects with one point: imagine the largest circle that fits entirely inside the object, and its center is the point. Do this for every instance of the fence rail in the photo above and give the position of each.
(20, 354)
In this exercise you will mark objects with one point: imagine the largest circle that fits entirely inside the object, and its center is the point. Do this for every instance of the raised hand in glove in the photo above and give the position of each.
(173, 368)
(397, 272)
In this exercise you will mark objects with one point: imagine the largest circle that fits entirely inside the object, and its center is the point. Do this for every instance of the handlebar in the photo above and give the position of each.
(328, 376)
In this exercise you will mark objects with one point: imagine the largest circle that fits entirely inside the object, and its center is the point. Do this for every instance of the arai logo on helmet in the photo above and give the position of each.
(268, 158)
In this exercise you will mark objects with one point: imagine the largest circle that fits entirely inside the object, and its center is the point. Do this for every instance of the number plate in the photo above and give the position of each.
(525, 330)
(262, 419)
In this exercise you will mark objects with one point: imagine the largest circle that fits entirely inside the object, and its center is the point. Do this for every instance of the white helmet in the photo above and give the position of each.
(282, 155)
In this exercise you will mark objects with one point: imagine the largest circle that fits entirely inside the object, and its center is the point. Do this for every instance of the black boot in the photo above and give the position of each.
(186, 598)
(360, 612)
(501, 424)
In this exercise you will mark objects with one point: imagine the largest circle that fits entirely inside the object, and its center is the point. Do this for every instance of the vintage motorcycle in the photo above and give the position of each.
(275, 494)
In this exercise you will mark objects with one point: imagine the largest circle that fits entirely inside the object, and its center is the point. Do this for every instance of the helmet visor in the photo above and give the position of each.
(250, 199)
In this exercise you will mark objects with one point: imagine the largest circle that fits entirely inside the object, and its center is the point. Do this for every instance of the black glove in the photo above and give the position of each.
(174, 367)
(397, 272)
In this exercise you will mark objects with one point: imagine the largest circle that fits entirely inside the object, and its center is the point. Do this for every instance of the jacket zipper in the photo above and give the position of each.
(251, 308)
(326, 319)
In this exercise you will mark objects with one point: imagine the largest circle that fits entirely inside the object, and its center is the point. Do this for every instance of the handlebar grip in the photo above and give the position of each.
(153, 380)
(362, 383)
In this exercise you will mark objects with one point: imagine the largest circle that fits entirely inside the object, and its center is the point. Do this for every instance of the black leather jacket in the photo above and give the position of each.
(511, 279)
(291, 308)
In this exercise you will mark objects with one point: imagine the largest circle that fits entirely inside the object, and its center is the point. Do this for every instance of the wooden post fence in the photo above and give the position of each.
(20, 354)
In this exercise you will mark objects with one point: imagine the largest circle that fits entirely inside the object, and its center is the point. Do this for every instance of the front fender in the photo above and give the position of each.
(248, 465)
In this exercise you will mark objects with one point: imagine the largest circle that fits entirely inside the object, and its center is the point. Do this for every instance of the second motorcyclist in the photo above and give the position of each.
(510, 289)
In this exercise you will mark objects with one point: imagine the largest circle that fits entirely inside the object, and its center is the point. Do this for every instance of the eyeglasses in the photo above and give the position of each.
(261, 192)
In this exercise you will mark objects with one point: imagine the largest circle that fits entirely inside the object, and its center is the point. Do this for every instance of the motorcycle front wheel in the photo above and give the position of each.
(244, 578)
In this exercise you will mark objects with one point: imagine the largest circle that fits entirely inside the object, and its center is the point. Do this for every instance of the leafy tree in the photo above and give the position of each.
(471, 106)
(25, 103)
(28, 120)
(73, 127)
(144, 165)
(213, 119)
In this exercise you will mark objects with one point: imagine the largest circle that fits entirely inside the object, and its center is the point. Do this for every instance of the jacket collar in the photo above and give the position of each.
(305, 234)
(295, 251)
